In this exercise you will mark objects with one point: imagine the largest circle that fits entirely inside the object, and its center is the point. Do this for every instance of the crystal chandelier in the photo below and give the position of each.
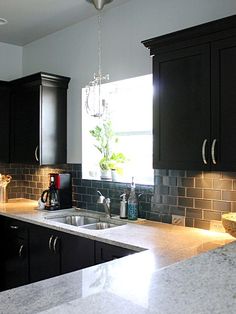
(95, 102)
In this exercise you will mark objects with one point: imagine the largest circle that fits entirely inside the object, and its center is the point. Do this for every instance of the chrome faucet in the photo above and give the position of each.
(106, 203)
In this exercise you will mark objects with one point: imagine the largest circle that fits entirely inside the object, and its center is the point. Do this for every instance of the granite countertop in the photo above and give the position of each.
(162, 279)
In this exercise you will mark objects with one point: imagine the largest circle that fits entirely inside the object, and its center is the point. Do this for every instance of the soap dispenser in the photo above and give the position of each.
(123, 207)
(132, 203)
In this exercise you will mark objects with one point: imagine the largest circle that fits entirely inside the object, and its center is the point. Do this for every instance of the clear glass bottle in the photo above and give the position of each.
(132, 203)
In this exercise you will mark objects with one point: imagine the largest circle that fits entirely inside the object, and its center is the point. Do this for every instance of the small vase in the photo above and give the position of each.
(106, 174)
(114, 175)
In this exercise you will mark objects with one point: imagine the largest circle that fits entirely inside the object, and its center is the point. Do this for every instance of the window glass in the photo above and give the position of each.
(129, 110)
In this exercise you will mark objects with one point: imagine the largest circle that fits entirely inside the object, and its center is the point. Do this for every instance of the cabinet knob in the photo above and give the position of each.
(204, 151)
(213, 152)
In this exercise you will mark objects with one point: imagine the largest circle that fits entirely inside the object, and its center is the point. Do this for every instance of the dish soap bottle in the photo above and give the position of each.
(123, 207)
(132, 203)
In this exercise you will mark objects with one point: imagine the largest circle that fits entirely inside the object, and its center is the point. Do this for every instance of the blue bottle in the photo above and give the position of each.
(132, 203)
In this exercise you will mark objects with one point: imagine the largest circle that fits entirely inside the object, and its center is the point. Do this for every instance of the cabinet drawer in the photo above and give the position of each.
(15, 228)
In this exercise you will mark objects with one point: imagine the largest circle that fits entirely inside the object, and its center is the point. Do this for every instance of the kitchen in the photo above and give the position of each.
(65, 52)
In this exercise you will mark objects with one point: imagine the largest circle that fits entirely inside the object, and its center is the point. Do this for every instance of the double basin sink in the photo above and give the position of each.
(86, 222)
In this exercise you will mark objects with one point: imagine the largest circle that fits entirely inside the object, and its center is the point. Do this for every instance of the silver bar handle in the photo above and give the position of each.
(36, 153)
(213, 151)
(20, 250)
(54, 244)
(50, 243)
(204, 151)
(14, 227)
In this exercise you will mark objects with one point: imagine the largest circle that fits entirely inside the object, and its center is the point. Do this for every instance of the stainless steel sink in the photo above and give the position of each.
(100, 226)
(75, 220)
(86, 221)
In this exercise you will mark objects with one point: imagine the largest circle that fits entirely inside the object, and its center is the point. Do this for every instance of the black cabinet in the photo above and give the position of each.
(44, 247)
(15, 253)
(4, 121)
(194, 116)
(223, 64)
(39, 119)
(107, 252)
(181, 106)
(53, 253)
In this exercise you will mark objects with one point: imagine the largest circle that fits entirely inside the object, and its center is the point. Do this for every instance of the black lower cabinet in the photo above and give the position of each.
(30, 253)
(76, 253)
(44, 247)
(107, 252)
(15, 257)
(53, 253)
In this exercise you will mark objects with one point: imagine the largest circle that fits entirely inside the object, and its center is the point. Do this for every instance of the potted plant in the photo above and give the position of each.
(105, 140)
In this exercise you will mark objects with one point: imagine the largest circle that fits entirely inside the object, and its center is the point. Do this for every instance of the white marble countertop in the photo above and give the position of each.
(140, 283)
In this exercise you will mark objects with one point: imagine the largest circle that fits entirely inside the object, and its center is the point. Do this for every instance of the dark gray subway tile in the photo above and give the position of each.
(222, 206)
(189, 222)
(193, 174)
(212, 175)
(223, 184)
(194, 213)
(203, 204)
(202, 224)
(177, 173)
(212, 194)
(194, 192)
(229, 195)
(211, 215)
(186, 202)
(203, 183)
(186, 182)
(175, 210)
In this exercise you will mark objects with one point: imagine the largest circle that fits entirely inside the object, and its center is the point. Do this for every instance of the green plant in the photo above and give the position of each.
(105, 138)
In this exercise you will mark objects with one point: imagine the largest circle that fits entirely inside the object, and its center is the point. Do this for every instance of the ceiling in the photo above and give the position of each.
(29, 20)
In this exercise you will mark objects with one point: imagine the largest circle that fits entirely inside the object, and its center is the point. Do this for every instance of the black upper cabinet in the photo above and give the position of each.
(182, 100)
(194, 112)
(223, 63)
(4, 121)
(39, 119)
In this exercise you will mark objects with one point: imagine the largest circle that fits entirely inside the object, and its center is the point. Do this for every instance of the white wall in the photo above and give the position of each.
(73, 51)
(10, 61)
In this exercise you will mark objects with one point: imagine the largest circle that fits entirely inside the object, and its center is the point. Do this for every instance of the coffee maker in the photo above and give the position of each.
(59, 193)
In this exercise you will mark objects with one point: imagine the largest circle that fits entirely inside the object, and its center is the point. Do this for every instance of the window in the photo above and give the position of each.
(130, 113)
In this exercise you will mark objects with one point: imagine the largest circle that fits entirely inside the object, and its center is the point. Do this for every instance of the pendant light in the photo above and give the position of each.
(95, 103)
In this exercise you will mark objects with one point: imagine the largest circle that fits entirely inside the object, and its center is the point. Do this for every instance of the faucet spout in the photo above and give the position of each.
(106, 203)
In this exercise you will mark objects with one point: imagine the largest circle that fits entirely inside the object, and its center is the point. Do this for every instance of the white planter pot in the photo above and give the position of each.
(106, 174)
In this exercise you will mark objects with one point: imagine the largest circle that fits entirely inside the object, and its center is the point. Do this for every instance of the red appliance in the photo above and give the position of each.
(59, 193)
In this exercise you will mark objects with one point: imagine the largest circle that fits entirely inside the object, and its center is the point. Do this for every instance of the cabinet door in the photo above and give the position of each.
(16, 263)
(4, 122)
(76, 253)
(53, 119)
(223, 80)
(106, 252)
(15, 253)
(181, 109)
(44, 246)
(25, 124)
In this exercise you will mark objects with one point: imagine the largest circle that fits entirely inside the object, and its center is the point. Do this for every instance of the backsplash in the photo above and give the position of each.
(29, 181)
(201, 197)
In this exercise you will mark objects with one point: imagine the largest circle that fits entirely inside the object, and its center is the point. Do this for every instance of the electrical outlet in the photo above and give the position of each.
(217, 226)
(178, 220)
